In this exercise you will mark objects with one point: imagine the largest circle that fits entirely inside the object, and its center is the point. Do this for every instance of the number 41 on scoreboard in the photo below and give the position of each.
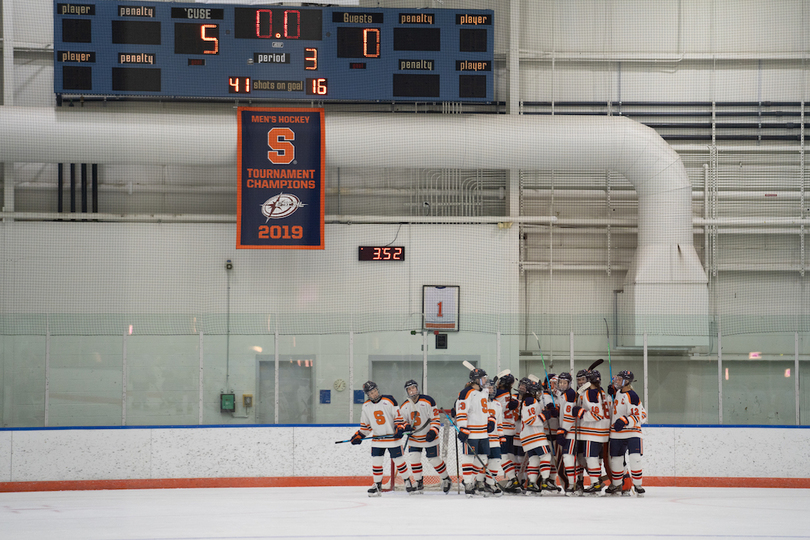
(440, 307)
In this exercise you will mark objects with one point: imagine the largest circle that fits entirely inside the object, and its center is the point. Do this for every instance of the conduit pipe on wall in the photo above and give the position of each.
(665, 271)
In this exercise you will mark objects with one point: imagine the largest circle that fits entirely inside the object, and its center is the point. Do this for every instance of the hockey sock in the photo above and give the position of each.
(570, 468)
(533, 470)
(468, 469)
(377, 468)
(493, 468)
(402, 467)
(416, 465)
(509, 466)
(635, 468)
(545, 466)
(594, 469)
(439, 465)
(616, 469)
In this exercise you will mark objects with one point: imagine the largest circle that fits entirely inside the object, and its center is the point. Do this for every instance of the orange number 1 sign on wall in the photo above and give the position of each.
(440, 307)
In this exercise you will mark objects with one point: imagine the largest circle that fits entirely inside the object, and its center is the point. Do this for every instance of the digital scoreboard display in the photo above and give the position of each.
(167, 50)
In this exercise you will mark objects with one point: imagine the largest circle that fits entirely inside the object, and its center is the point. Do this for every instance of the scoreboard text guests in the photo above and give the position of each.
(165, 50)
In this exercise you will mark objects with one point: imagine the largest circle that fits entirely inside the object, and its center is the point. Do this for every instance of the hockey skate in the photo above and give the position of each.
(614, 489)
(594, 490)
(409, 487)
(492, 490)
(640, 491)
(480, 489)
(420, 486)
(532, 489)
(548, 485)
(375, 490)
(571, 491)
(469, 490)
(446, 484)
(512, 486)
(579, 488)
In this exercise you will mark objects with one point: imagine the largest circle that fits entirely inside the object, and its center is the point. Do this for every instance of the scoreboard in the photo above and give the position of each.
(174, 50)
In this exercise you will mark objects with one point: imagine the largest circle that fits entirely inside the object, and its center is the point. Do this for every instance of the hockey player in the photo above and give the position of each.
(568, 429)
(511, 417)
(593, 412)
(627, 415)
(496, 438)
(380, 417)
(474, 424)
(549, 404)
(422, 414)
(534, 441)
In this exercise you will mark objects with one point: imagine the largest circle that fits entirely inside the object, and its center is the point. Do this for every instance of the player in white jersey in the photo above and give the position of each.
(421, 412)
(567, 432)
(627, 416)
(511, 416)
(548, 401)
(496, 437)
(380, 418)
(593, 412)
(473, 422)
(534, 441)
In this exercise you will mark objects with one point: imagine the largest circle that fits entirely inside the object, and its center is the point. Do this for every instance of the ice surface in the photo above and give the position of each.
(347, 512)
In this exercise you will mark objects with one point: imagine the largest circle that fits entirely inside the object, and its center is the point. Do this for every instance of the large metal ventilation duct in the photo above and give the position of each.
(665, 290)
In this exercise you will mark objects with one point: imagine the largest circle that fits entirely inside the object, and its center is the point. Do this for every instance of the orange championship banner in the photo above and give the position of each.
(281, 194)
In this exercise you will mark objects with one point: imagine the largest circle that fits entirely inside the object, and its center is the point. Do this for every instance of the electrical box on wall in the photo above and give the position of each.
(247, 400)
(441, 341)
(227, 403)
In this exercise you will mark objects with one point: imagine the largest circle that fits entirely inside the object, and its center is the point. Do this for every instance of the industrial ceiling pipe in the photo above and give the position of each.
(666, 273)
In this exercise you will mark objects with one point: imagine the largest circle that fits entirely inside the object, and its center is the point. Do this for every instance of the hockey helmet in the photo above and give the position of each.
(368, 388)
(564, 376)
(594, 377)
(412, 384)
(478, 376)
(626, 376)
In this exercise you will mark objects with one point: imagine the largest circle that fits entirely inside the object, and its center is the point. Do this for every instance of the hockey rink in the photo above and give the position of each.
(346, 512)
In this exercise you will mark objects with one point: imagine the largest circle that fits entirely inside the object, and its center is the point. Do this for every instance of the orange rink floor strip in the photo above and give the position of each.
(319, 481)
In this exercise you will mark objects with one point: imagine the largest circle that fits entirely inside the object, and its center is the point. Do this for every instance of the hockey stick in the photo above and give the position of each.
(610, 366)
(349, 440)
(469, 446)
(458, 474)
(548, 382)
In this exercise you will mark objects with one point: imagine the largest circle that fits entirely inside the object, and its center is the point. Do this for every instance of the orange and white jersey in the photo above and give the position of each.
(417, 414)
(594, 420)
(472, 412)
(380, 420)
(511, 418)
(496, 411)
(546, 400)
(627, 405)
(533, 429)
(567, 400)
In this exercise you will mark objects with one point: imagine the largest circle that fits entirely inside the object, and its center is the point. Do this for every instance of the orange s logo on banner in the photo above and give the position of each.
(282, 151)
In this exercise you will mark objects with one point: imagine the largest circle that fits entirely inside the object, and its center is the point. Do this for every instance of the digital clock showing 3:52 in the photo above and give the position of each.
(382, 253)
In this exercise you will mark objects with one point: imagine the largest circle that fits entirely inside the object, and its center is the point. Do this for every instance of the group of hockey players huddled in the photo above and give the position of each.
(544, 438)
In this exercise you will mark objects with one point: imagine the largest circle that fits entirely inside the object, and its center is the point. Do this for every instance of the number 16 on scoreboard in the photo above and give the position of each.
(440, 307)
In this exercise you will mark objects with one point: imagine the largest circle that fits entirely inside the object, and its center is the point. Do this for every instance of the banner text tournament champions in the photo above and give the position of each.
(281, 193)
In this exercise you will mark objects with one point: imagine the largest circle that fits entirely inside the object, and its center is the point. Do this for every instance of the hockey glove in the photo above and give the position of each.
(401, 429)
(611, 390)
(491, 425)
(552, 411)
(576, 411)
(431, 435)
(357, 438)
(620, 424)
(463, 434)
(561, 436)
(502, 440)
(513, 404)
